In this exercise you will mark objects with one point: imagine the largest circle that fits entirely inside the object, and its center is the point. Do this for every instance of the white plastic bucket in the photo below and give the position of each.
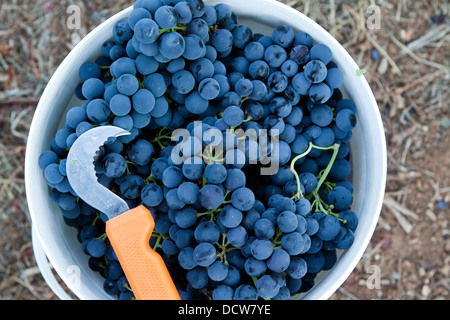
(58, 241)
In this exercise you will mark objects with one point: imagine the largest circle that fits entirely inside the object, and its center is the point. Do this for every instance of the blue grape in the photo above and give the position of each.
(277, 81)
(293, 243)
(122, 32)
(140, 152)
(254, 51)
(264, 229)
(201, 69)
(211, 196)
(96, 247)
(280, 107)
(207, 231)
(47, 157)
(218, 271)
(289, 68)
(261, 249)
(255, 267)
(209, 88)
(230, 217)
(195, 103)
(326, 138)
(52, 174)
(152, 195)
(185, 12)
(297, 268)
(340, 198)
(186, 258)
(287, 221)
(301, 84)
(199, 27)
(161, 107)
(233, 116)
(278, 261)
(193, 168)
(197, 277)
(120, 105)
(183, 81)
(172, 45)
(187, 191)
(143, 101)
(250, 219)
(127, 84)
(215, 173)
(319, 93)
(315, 71)
(131, 186)
(350, 218)
(75, 116)
(114, 165)
(172, 177)
(283, 36)
(222, 40)
(245, 292)
(176, 65)
(345, 119)
(89, 70)
(329, 227)
(166, 17)
(146, 30)
(194, 47)
(124, 122)
(300, 54)
(136, 15)
(223, 292)
(149, 49)
(205, 254)
(314, 261)
(169, 247)
(210, 15)
(242, 35)
(321, 52)
(267, 287)
(156, 84)
(275, 56)
(185, 217)
(345, 238)
(244, 87)
(243, 199)
(275, 125)
(92, 88)
(334, 78)
(258, 70)
(321, 115)
(150, 5)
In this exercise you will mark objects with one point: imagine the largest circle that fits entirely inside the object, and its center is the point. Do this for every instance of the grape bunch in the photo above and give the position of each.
(239, 147)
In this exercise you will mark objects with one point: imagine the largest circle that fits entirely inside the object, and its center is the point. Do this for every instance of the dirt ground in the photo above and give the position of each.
(406, 57)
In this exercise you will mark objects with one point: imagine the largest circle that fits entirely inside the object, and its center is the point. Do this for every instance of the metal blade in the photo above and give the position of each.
(81, 172)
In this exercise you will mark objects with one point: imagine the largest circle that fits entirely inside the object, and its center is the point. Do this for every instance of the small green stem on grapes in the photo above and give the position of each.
(325, 173)
(335, 148)
(103, 237)
(158, 237)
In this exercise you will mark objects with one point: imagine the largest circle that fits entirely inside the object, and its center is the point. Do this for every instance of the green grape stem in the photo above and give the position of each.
(335, 148)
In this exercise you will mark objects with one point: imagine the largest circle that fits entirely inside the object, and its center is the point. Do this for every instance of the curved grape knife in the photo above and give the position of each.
(128, 230)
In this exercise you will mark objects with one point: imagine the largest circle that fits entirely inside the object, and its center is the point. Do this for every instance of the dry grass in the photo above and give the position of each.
(410, 81)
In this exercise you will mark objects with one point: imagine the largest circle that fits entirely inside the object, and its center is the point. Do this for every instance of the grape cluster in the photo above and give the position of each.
(225, 230)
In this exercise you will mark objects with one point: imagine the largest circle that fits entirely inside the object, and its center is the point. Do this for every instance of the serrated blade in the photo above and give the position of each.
(81, 171)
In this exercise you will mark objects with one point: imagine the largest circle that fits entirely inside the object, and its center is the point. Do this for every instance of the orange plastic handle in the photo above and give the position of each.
(129, 234)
